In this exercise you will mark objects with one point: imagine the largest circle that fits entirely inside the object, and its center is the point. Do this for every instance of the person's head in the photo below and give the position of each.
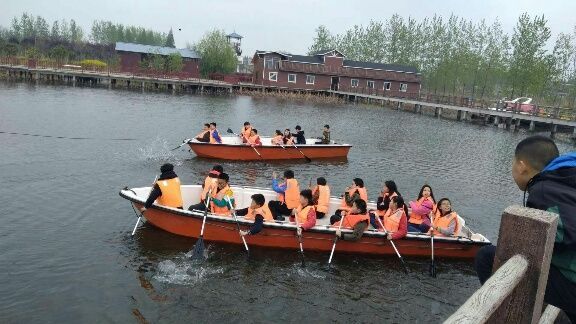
(223, 179)
(218, 168)
(212, 125)
(288, 174)
(278, 133)
(166, 167)
(444, 206)
(357, 182)
(257, 201)
(326, 128)
(246, 125)
(298, 127)
(306, 198)
(358, 207)
(531, 156)
(287, 132)
(396, 202)
(426, 191)
(254, 132)
(390, 187)
(321, 181)
(206, 126)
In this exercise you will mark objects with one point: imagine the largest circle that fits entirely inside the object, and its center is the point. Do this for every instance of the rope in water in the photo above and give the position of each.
(71, 138)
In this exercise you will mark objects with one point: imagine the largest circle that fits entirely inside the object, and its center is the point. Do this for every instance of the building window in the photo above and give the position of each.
(370, 84)
(354, 83)
(271, 63)
(292, 78)
(310, 79)
(387, 85)
(273, 76)
(403, 87)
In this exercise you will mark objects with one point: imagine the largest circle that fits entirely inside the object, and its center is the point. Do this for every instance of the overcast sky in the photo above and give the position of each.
(280, 25)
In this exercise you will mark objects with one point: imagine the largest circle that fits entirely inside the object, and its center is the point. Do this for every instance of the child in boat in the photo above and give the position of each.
(254, 139)
(246, 132)
(166, 191)
(548, 179)
(278, 138)
(395, 220)
(353, 192)
(305, 214)
(288, 139)
(299, 135)
(214, 135)
(389, 190)
(419, 218)
(258, 212)
(211, 182)
(321, 197)
(325, 135)
(223, 197)
(288, 195)
(445, 221)
(204, 135)
(355, 219)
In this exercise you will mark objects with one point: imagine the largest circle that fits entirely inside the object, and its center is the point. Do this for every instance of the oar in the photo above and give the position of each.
(304, 155)
(237, 224)
(432, 263)
(140, 216)
(186, 141)
(299, 238)
(198, 250)
(393, 245)
(229, 131)
(336, 239)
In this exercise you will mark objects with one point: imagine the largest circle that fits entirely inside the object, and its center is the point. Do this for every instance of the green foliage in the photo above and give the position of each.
(32, 53)
(322, 41)
(59, 53)
(174, 62)
(93, 64)
(170, 40)
(106, 32)
(217, 54)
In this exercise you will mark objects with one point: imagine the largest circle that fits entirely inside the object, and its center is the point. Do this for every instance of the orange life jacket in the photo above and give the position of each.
(292, 194)
(351, 220)
(246, 133)
(253, 139)
(277, 140)
(392, 220)
(302, 214)
(323, 198)
(264, 211)
(417, 218)
(209, 183)
(444, 222)
(221, 211)
(171, 194)
(381, 213)
(361, 191)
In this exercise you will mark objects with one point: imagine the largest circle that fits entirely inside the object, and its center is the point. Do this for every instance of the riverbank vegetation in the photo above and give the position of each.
(464, 58)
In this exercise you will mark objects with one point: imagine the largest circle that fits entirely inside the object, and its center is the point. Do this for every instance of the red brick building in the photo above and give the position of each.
(131, 56)
(330, 70)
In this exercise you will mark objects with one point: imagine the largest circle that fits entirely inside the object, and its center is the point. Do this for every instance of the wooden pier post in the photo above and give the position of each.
(497, 121)
(438, 112)
(515, 292)
(553, 131)
(532, 126)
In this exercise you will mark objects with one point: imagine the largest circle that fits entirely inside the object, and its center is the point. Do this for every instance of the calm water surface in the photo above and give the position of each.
(66, 250)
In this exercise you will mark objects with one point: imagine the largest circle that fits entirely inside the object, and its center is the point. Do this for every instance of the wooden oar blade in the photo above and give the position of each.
(198, 250)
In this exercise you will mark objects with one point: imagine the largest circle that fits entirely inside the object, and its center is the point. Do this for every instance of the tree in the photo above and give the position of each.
(76, 33)
(55, 31)
(322, 41)
(170, 40)
(174, 62)
(59, 53)
(217, 54)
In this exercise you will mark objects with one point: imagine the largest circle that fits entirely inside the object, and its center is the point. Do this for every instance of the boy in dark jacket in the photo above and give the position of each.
(299, 135)
(550, 181)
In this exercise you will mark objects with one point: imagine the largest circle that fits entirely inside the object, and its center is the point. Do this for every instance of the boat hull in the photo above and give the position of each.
(224, 229)
(248, 153)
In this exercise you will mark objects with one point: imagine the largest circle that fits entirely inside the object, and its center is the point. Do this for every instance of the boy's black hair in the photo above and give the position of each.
(255, 130)
(327, 126)
(321, 181)
(361, 205)
(288, 174)
(278, 132)
(224, 176)
(213, 123)
(207, 125)
(258, 199)
(359, 182)
(218, 168)
(298, 127)
(246, 123)
(307, 193)
(537, 151)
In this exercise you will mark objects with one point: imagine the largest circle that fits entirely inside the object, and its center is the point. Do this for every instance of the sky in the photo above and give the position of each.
(281, 25)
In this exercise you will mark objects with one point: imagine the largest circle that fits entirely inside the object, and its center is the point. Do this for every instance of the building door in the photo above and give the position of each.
(334, 84)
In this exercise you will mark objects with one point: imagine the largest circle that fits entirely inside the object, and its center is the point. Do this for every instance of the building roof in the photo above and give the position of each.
(151, 49)
(326, 51)
(234, 35)
(317, 59)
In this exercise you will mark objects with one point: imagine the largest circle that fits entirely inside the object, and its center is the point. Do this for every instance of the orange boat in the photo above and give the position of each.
(282, 234)
(232, 148)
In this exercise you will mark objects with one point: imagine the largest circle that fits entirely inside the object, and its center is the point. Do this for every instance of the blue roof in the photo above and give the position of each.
(151, 49)
(234, 35)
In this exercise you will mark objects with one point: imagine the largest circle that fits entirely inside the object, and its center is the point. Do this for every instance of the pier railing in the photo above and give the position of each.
(515, 292)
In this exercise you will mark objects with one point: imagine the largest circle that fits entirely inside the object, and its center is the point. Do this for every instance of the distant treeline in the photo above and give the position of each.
(464, 58)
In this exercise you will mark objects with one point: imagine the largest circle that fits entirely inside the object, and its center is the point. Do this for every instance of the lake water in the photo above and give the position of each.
(67, 254)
